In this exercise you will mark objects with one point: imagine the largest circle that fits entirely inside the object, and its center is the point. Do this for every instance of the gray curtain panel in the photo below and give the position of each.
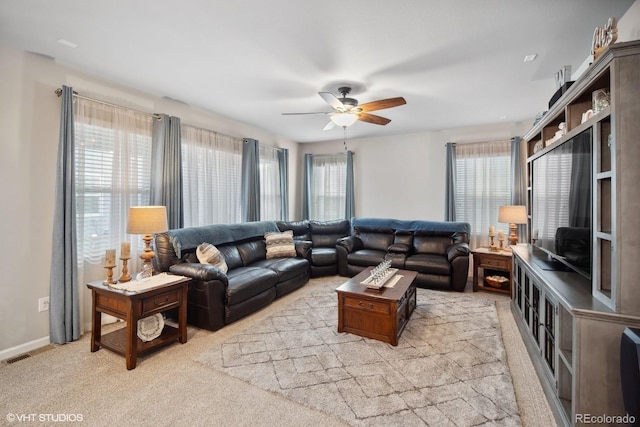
(518, 184)
(306, 186)
(64, 309)
(450, 183)
(166, 169)
(250, 180)
(350, 204)
(283, 165)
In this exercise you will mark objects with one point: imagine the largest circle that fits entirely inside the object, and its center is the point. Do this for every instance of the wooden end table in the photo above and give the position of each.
(485, 259)
(131, 307)
(379, 314)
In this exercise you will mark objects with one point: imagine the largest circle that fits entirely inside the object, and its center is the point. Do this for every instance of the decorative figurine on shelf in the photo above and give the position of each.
(603, 37)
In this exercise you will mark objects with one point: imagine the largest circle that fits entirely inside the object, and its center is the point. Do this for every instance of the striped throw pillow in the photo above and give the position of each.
(209, 254)
(280, 245)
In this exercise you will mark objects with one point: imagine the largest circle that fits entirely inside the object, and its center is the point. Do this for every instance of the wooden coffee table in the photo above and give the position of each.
(378, 314)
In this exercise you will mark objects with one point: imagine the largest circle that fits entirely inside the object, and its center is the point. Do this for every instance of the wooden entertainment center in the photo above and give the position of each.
(572, 324)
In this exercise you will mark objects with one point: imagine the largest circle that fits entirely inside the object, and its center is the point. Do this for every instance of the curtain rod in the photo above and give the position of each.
(154, 115)
(483, 142)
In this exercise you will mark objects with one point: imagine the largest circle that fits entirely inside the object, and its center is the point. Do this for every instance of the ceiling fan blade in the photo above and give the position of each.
(382, 104)
(332, 100)
(329, 125)
(372, 118)
(302, 114)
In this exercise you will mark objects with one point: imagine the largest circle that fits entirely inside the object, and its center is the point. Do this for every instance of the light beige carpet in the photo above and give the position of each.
(449, 367)
(169, 388)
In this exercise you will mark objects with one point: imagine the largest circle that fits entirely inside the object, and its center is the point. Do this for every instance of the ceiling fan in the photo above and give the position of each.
(346, 111)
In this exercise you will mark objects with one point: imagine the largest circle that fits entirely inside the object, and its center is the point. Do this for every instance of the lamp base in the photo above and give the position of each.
(513, 237)
(146, 257)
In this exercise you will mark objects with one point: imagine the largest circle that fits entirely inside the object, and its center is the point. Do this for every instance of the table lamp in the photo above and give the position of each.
(147, 220)
(512, 215)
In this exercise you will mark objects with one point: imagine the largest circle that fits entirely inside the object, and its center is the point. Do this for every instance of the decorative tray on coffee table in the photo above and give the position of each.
(378, 281)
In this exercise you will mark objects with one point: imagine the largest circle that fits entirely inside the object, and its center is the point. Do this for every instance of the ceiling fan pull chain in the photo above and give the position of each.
(344, 140)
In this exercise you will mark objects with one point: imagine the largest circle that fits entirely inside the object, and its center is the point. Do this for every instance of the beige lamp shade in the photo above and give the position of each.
(512, 214)
(147, 220)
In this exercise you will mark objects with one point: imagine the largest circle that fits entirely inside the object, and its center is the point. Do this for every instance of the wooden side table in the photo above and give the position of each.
(485, 259)
(132, 307)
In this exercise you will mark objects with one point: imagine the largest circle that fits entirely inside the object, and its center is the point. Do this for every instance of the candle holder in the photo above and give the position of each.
(501, 240)
(493, 247)
(109, 280)
(125, 277)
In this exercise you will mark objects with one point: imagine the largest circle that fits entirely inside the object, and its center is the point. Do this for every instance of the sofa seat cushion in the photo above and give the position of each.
(285, 268)
(247, 282)
(429, 264)
(366, 257)
(323, 256)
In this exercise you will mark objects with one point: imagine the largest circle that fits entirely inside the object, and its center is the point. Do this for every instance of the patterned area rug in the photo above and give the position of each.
(449, 367)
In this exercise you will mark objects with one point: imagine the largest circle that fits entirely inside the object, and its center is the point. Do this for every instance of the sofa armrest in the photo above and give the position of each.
(457, 250)
(202, 272)
(350, 243)
(399, 248)
(303, 248)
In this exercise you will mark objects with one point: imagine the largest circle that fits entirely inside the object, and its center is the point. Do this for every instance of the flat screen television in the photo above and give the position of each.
(561, 203)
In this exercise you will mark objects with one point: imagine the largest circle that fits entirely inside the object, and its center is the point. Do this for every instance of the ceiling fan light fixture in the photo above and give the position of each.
(344, 119)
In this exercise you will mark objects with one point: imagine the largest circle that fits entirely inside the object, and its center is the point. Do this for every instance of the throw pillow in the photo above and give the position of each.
(280, 245)
(209, 254)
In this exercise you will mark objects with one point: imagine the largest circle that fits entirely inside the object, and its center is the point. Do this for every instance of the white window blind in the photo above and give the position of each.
(113, 159)
(329, 187)
(483, 183)
(270, 196)
(211, 176)
(551, 199)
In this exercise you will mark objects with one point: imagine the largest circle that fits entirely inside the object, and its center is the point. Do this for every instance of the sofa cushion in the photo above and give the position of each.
(280, 245)
(324, 234)
(366, 257)
(247, 282)
(209, 254)
(252, 251)
(428, 263)
(323, 256)
(404, 237)
(431, 243)
(285, 268)
(231, 255)
(375, 238)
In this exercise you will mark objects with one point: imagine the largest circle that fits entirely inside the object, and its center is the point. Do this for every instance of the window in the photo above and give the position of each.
(328, 187)
(113, 160)
(211, 177)
(270, 196)
(483, 183)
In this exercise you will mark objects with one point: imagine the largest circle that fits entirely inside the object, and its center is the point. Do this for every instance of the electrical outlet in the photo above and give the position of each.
(43, 304)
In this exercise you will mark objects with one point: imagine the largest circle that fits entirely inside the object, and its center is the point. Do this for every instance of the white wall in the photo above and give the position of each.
(403, 176)
(29, 118)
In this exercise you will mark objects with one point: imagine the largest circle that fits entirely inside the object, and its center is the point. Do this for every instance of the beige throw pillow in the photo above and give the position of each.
(209, 254)
(280, 245)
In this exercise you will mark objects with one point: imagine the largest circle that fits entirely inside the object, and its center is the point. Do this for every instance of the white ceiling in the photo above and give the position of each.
(457, 63)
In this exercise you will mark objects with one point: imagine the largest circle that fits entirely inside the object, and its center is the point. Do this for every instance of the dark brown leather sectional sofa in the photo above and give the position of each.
(439, 251)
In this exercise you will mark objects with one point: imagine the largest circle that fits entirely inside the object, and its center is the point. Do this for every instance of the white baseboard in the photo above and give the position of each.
(24, 348)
